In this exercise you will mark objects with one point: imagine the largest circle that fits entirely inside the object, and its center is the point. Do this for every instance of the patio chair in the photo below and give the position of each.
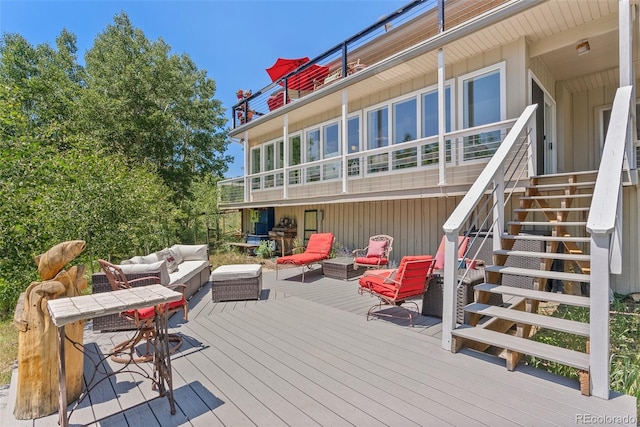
(318, 249)
(376, 254)
(396, 286)
(143, 318)
(462, 248)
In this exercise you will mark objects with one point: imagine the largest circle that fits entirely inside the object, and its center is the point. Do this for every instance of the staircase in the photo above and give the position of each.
(555, 207)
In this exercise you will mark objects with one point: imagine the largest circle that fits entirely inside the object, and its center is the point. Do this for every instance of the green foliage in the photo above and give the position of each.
(624, 323)
(266, 248)
(151, 106)
(123, 154)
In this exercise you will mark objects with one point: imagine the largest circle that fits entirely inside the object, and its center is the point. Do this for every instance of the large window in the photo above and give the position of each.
(312, 151)
(430, 152)
(353, 143)
(378, 136)
(295, 158)
(405, 129)
(269, 164)
(331, 148)
(255, 168)
(482, 103)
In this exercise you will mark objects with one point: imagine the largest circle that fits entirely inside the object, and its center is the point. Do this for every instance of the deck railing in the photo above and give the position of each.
(413, 23)
(385, 168)
(491, 181)
(604, 224)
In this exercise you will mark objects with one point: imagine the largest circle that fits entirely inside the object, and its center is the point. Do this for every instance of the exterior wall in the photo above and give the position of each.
(629, 280)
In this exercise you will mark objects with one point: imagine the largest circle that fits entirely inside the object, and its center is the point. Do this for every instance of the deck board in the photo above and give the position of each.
(306, 355)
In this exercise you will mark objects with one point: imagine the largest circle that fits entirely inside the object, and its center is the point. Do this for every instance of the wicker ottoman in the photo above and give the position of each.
(432, 300)
(236, 282)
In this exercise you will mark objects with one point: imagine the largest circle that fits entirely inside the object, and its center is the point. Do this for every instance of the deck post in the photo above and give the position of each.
(599, 315)
(287, 155)
(450, 281)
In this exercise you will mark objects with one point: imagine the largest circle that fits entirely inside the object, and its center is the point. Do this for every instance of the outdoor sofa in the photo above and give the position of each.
(179, 264)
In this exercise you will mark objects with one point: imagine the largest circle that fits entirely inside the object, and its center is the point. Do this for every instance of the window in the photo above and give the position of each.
(405, 128)
(378, 136)
(255, 168)
(295, 158)
(280, 163)
(312, 152)
(269, 164)
(331, 141)
(431, 152)
(482, 103)
(605, 117)
(353, 143)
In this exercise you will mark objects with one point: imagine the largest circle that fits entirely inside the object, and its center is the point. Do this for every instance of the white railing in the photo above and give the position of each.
(471, 148)
(604, 224)
(491, 179)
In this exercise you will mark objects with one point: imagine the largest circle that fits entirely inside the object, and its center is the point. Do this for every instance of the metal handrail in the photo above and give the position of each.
(493, 173)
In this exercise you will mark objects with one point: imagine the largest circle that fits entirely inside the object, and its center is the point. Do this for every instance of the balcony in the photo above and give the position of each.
(415, 22)
(410, 169)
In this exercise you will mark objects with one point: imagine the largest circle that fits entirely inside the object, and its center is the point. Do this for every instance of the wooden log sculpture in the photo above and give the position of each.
(37, 390)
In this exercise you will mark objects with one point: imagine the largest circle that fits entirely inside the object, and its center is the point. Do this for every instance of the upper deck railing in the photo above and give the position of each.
(415, 22)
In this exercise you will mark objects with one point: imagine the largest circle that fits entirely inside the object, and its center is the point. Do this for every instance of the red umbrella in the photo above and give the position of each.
(283, 66)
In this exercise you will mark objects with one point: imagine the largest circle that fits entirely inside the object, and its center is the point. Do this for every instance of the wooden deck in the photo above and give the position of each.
(305, 355)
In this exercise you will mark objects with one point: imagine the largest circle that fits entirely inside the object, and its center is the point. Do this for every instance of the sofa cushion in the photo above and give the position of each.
(167, 255)
(187, 270)
(193, 252)
(160, 266)
(141, 259)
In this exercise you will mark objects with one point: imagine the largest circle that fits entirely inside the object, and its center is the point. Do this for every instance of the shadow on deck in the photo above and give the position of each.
(305, 355)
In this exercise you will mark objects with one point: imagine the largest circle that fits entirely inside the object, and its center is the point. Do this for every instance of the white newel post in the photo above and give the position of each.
(599, 315)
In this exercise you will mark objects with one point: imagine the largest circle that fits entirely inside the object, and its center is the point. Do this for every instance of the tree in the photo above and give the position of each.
(152, 106)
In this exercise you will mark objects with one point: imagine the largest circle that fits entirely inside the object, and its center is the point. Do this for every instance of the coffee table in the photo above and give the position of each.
(340, 268)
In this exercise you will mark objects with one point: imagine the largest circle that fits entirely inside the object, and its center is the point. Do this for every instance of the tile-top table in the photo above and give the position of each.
(71, 309)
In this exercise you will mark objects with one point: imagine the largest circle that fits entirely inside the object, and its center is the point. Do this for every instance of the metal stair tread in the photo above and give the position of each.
(547, 238)
(574, 300)
(528, 272)
(560, 355)
(551, 255)
(549, 322)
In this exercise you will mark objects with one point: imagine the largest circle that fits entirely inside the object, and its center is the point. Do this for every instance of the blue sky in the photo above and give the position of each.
(234, 40)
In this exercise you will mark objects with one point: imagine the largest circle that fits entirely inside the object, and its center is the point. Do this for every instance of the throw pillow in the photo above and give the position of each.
(166, 255)
(462, 247)
(175, 251)
(141, 259)
(376, 248)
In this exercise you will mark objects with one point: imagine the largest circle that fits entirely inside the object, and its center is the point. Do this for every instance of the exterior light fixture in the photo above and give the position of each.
(583, 47)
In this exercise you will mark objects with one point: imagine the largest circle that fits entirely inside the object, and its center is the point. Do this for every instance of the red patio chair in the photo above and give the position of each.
(142, 318)
(376, 254)
(396, 286)
(318, 249)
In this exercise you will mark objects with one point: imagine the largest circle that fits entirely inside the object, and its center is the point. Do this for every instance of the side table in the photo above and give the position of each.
(432, 300)
(68, 310)
(340, 268)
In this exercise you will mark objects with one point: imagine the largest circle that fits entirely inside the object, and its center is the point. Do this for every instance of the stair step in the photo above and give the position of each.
(560, 355)
(549, 223)
(558, 196)
(549, 255)
(574, 300)
(561, 186)
(548, 322)
(528, 272)
(552, 210)
(560, 174)
(546, 238)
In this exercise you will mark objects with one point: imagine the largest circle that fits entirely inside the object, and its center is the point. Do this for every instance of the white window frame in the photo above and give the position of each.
(501, 67)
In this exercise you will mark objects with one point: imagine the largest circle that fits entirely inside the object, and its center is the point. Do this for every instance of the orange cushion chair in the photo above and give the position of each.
(318, 249)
